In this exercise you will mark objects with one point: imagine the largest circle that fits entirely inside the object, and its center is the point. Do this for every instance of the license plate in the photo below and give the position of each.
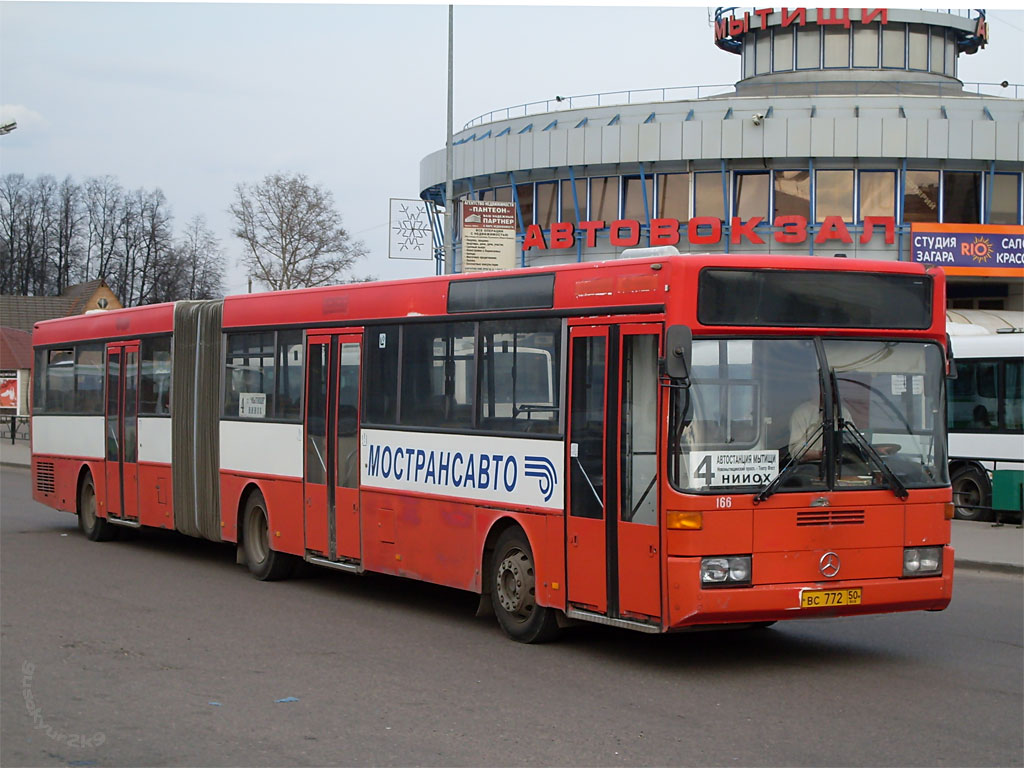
(826, 598)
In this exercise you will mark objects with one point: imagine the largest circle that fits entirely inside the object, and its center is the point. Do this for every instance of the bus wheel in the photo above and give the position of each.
(970, 493)
(92, 525)
(264, 563)
(513, 591)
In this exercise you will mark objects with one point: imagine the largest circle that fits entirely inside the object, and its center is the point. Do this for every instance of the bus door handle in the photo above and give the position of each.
(575, 540)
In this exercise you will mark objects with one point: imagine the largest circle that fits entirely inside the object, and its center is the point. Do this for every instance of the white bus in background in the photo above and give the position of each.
(986, 413)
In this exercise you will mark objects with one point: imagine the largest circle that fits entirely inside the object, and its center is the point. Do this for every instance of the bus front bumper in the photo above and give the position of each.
(691, 605)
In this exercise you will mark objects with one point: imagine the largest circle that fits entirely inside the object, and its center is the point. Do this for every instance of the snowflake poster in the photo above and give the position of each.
(411, 235)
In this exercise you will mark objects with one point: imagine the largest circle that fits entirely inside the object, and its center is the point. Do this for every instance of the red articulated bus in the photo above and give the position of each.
(650, 443)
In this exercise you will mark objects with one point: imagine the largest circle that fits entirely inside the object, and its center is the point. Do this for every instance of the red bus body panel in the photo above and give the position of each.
(445, 540)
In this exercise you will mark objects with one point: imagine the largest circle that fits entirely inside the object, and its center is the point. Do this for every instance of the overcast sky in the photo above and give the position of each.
(194, 98)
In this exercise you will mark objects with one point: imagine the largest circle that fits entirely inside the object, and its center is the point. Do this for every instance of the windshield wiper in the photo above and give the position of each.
(794, 460)
(895, 484)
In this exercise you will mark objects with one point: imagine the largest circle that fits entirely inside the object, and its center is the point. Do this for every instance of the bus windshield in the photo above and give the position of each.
(758, 407)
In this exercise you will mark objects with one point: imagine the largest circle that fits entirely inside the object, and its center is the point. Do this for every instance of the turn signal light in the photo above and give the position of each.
(950, 510)
(685, 521)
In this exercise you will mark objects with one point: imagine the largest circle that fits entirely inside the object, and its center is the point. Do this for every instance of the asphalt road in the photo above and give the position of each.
(161, 651)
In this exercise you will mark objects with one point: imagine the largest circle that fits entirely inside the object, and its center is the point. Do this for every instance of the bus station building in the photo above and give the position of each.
(848, 135)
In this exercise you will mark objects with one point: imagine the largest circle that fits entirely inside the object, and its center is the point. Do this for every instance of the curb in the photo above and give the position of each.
(980, 565)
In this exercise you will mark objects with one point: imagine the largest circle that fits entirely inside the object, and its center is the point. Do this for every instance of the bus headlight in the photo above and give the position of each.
(922, 561)
(733, 571)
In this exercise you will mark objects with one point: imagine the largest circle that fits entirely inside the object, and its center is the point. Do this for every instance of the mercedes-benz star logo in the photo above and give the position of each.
(829, 564)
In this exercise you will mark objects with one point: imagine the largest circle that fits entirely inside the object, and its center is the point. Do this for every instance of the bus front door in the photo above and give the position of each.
(612, 531)
(331, 504)
(121, 431)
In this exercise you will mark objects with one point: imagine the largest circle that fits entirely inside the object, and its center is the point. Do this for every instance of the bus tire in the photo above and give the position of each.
(514, 594)
(971, 490)
(264, 562)
(92, 525)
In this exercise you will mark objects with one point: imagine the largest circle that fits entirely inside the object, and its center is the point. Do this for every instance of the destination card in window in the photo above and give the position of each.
(711, 469)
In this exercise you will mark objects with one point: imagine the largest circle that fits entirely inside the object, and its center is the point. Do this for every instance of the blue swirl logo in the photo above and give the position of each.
(542, 468)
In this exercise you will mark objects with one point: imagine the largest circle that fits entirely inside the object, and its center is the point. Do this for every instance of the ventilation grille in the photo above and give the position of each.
(829, 517)
(44, 477)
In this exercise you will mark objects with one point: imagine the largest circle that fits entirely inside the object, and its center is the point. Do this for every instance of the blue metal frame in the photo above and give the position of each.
(900, 210)
(576, 210)
(437, 234)
(647, 208)
(519, 217)
(813, 218)
(726, 227)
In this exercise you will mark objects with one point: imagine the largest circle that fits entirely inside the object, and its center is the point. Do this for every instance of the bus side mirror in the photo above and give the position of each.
(950, 360)
(678, 344)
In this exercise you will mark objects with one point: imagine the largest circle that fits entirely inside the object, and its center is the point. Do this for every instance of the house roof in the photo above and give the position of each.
(15, 349)
(23, 312)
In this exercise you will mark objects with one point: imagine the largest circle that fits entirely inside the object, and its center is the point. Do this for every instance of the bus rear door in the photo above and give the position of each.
(121, 431)
(612, 532)
(331, 442)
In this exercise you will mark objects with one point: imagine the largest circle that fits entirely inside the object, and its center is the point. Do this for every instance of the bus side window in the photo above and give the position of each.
(380, 402)
(438, 364)
(155, 376)
(89, 378)
(60, 381)
(1013, 400)
(39, 382)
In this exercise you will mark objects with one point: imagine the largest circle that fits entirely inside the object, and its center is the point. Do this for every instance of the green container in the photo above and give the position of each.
(1008, 490)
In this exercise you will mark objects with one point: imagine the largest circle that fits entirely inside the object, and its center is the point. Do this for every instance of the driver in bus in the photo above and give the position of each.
(806, 418)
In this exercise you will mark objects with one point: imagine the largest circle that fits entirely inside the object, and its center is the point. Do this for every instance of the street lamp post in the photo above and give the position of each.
(449, 202)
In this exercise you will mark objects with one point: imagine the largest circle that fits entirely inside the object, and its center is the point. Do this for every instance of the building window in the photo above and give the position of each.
(764, 52)
(748, 56)
(961, 197)
(833, 195)
(674, 196)
(547, 204)
(524, 193)
(918, 48)
(783, 50)
(752, 195)
(793, 193)
(921, 196)
(486, 195)
(938, 57)
(1004, 202)
(604, 198)
(837, 47)
(707, 195)
(894, 46)
(865, 46)
(638, 197)
(877, 193)
(808, 47)
(951, 54)
(503, 194)
(569, 202)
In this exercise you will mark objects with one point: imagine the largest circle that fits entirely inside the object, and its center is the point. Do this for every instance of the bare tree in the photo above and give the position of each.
(292, 233)
(103, 198)
(203, 261)
(71, 218)
(53, 235)
(14, 193)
